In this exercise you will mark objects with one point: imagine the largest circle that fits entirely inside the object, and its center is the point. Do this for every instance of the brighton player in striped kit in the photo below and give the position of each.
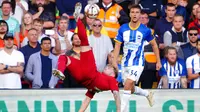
(173, 72)
(193, 68)
(133, 35)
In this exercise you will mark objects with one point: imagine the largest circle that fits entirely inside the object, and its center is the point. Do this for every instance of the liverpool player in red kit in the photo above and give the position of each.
(84, 71)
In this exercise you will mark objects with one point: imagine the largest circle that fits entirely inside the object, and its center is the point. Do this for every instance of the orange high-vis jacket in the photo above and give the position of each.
(110, 18)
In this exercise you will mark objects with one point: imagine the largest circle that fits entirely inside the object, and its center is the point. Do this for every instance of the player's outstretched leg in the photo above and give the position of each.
(82, 33)
(147, 94)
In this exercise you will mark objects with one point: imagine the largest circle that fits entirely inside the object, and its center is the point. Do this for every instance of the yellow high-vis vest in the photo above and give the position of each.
(110, 19)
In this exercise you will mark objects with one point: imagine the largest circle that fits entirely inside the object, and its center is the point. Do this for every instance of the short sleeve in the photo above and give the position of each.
(189, 62)
(113, 84)
(184, 70)
(20, 57)
(119, 37)
(148, 36)
(90, 94)
(162, 71)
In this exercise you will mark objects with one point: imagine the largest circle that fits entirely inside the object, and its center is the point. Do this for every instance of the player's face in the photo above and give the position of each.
(63, 25)
(76, 41)
(6, 9)
(144, 19)
(171, 56)
(109, 71)
(46, 45)
(193, 36)
(9, 43)
(178, 22)
(170, 12)
(135, 15)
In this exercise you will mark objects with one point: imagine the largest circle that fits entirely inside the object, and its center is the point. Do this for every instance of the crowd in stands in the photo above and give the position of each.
(34, 33)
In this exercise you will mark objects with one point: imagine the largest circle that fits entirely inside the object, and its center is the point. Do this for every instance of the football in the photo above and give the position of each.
(92, 11)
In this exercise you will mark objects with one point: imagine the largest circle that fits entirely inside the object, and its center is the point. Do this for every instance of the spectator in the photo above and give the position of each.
(27, 22)
(34, 46)
(165, 24)
(38, 24)
(88, 22)
(69, 81)
(196, 22)
(112, 16)
(189, 48)
(177, 35)
(13, 24)
(100, 44)
(173, 72)
(45, 10)
(64, 34)
(194, 12)
(193, 64)
(11, 67)
(20, 8)
(40, 72)
(183, 3)
(179, 9)
(152, 8)
(3, 32)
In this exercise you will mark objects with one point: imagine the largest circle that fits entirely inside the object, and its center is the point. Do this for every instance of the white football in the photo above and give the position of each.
(92, 11)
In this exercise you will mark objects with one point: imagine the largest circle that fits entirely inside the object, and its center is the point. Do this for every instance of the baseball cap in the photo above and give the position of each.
(8, 36)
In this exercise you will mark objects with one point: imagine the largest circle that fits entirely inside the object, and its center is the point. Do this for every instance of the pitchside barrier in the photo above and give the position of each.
(181, 100)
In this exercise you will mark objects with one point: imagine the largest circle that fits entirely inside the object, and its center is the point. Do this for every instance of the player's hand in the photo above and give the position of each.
(158, 65)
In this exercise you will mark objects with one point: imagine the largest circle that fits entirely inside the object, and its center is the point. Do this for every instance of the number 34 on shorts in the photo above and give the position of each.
(132, 73)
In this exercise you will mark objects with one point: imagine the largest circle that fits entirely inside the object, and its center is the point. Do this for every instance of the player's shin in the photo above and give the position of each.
(117, 100)
(125, 100)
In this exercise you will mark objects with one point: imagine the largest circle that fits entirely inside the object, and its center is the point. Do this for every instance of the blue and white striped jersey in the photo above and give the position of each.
(133, 40)
(194, 63)
(174, 73)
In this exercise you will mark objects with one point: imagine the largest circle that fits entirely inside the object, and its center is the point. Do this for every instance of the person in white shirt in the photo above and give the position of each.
(101, 45)
(21, 8)
(193, 68)
(64, 34)
(11, 66)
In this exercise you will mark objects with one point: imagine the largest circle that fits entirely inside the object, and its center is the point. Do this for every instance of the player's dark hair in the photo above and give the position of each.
(135, 6)
(193, 28)
(73, 36)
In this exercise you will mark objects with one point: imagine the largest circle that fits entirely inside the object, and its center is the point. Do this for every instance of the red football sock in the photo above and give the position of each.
(62, 61)
(82, 33)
